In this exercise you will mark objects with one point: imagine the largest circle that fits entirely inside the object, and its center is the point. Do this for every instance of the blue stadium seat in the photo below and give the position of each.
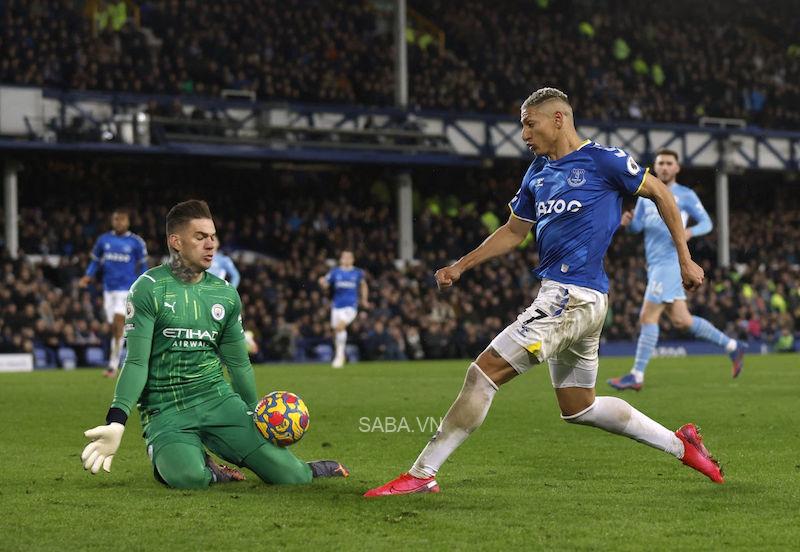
(352, 353)
(95, 356)
(43, 358)
(67, 358)
(323, 352)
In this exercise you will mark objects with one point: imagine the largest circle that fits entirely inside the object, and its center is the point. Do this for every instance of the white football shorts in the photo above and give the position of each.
(345, 314)
(562, 326)
(114, 303)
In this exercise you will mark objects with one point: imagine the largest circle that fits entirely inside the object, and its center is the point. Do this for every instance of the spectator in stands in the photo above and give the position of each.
(340, 51)
(305, 222)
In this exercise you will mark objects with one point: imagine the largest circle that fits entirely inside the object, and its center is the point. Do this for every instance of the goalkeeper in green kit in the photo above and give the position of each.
(181, 324)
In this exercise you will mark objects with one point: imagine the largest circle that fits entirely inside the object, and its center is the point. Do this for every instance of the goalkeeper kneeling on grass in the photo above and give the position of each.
(181, 324)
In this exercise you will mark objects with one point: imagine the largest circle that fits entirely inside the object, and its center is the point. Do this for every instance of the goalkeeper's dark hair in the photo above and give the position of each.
(185, 211)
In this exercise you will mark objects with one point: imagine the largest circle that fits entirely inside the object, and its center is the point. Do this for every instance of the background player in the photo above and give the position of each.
(223, 268)
(181, 322)
(664, 289)
(575, 199)
(123, 256)
(348, 284)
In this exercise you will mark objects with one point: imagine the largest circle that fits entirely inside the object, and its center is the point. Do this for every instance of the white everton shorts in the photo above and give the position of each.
(562, 326)
(114, 303)
(346, 315)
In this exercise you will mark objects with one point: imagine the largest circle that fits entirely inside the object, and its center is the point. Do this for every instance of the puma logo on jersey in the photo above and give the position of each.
(557, 206)
(170, 306)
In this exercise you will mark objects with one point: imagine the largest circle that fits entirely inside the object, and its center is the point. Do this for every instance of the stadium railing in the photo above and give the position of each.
(456, 138)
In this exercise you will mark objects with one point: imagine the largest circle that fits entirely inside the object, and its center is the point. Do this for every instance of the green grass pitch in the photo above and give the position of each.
(525, 480)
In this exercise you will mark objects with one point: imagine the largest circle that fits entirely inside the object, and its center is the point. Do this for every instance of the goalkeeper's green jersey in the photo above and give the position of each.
(177, 336)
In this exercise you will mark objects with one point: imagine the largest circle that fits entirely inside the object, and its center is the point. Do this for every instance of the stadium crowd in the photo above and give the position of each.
(620, 62)
(669, 64)
(283, 243)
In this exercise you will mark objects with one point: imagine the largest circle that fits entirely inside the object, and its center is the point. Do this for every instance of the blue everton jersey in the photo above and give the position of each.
(345, 284)
(123, 259)
(576, 203)
(658, 246)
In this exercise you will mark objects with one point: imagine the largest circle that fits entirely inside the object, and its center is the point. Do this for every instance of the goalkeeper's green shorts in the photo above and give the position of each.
(222, 425)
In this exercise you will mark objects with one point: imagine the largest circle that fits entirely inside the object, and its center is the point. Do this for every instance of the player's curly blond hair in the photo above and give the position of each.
(545, 95)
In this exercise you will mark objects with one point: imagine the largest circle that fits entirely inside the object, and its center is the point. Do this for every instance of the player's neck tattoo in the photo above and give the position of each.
(181, 271)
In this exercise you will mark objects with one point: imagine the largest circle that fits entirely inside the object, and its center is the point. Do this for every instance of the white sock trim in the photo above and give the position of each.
(579, 414)
(481, 372)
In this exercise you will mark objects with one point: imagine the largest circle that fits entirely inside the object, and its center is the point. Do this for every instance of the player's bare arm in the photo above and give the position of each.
(323, 283)
(502, 240)
(364, 291)
(652, 188)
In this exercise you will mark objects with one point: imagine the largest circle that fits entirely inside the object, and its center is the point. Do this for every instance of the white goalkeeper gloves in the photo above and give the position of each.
(105, 442)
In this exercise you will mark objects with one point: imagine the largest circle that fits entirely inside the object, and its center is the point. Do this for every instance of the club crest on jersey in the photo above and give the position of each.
(217, 312)
(633, 167)
(538, 183)
(129, 310)
(577, 177)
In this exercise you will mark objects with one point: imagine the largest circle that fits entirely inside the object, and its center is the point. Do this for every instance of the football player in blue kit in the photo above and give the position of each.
(223, 268)
(573, 192)
(349, 287)
(123, 257)
(664, 290)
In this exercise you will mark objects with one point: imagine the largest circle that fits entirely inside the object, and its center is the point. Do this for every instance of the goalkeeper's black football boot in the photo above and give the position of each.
(222, 473)
(328, 468)
(219, 473)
